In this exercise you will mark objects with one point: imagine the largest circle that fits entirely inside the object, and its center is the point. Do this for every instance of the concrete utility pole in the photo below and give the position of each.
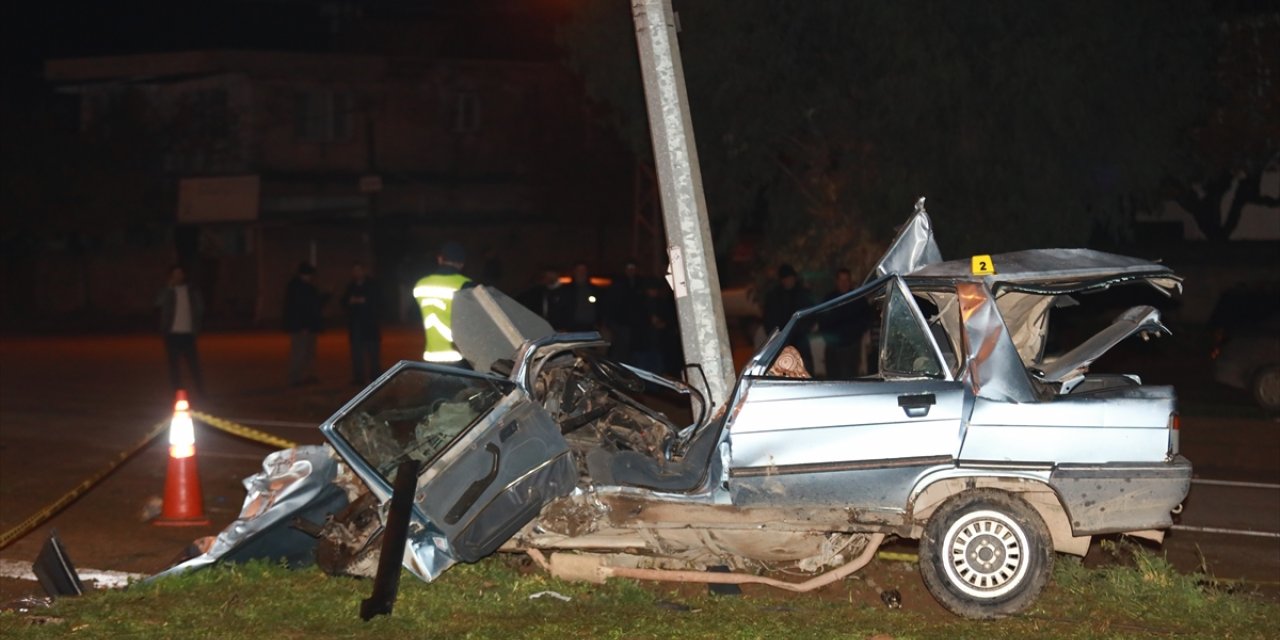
(703, 333)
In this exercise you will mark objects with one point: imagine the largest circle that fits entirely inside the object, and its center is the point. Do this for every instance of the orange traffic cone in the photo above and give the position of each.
(183, 502)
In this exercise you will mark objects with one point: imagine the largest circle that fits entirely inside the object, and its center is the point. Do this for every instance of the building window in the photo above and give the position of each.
(466, 112)
(323, 115)
(202, 125)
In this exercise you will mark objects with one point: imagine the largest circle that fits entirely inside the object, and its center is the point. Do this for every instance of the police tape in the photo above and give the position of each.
(237, 429)
(40, 517)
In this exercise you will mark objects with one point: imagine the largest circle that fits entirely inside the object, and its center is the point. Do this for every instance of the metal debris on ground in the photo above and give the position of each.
(892, 598)
(552, 594)
(28, 604)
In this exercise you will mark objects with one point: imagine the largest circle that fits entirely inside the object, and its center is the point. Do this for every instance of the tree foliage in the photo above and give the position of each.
(1025, 124)
(1238, 136)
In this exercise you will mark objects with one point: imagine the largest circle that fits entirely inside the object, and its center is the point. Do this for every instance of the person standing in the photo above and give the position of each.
(842, 330)
(788, 297)
(541, 297)
(360, 300)
(181, 311)
(434, 294)
(655, 344)
(626, 314)
(302, 304)
(578, 305)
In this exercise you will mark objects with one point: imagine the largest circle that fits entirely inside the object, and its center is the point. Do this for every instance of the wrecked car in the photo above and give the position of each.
(963, 433)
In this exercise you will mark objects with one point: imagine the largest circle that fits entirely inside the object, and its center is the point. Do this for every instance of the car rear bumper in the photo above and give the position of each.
(1120, 497)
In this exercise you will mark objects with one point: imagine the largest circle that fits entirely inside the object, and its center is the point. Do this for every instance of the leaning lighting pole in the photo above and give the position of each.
(696, 284)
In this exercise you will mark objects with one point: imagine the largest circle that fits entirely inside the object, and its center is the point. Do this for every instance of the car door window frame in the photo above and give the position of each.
(760, 363)
(900, 294)
(373, 475)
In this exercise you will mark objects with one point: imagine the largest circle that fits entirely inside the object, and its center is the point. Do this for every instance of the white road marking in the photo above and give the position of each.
(1232, 483)
(1238, 532)
(103, 579)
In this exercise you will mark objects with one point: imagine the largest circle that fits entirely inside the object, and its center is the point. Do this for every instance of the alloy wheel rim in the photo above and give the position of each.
(986, 554)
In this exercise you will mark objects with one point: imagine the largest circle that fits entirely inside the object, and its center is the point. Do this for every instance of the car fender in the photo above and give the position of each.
(1029, 484)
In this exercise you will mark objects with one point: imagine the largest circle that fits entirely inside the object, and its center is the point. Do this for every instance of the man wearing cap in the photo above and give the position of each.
(434, 294)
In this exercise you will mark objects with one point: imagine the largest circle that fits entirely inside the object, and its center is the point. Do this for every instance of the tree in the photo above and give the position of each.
(1238, 137)
(1025, 124)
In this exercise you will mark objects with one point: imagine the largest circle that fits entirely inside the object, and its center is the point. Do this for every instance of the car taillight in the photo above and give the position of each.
(1175, 424)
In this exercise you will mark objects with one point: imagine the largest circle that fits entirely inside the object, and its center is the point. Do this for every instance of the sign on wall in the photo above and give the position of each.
(221, 199)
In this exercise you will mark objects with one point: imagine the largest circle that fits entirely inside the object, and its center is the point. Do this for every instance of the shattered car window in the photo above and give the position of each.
(905, 350)
(415, 415)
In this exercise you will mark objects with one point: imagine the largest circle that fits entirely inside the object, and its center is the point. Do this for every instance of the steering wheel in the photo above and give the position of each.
(617, 375)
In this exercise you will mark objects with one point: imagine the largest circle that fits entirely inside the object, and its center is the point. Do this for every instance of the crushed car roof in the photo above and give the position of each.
(1049, 265)
(914, 253)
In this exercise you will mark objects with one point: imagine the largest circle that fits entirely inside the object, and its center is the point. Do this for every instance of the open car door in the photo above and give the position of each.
(489, 458)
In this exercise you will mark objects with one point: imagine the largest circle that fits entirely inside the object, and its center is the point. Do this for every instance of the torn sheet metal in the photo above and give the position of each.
(293, 483)
(1026, 315)
(913, 249)
(995, 370)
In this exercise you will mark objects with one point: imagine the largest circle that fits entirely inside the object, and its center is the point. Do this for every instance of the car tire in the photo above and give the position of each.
(1265, 386)
(985, 554)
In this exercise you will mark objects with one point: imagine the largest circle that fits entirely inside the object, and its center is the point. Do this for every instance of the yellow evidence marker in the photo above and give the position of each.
(983, 266)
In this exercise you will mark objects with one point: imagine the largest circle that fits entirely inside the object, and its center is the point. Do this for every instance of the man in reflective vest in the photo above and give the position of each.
(434, 294)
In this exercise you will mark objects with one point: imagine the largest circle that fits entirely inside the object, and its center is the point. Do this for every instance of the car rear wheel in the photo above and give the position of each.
(1266, 388)
(985, 554)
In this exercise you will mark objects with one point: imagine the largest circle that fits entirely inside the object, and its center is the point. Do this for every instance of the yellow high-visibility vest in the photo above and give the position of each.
(434, 294)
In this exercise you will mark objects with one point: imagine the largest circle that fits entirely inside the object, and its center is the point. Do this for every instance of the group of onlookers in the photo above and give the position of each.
(635, 312)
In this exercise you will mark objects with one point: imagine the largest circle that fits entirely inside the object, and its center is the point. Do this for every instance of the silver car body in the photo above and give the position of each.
(795, 470)
(964, 433)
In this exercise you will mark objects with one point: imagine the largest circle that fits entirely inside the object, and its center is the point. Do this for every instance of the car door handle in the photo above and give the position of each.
(477, 488)
(917, 405)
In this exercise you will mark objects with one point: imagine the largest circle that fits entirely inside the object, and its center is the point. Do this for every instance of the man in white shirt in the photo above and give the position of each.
(181, 309)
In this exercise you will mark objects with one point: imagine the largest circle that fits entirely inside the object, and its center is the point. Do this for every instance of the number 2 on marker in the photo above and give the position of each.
(983, 266)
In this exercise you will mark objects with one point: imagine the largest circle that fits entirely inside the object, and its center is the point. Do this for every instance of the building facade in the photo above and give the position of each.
(268, 159)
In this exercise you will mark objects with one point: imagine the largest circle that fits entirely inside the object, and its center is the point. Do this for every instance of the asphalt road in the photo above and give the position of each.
(68, 405)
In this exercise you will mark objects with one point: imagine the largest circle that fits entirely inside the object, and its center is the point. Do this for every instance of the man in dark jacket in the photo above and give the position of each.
(181, 310)
(360, 301)
(842, 330)
(541, 297)
(784, 300)
(626, 313)
(579, 303)
(302, 303)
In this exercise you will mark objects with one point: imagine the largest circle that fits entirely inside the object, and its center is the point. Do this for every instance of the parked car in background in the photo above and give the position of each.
(967, 436)
(1248, 357)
